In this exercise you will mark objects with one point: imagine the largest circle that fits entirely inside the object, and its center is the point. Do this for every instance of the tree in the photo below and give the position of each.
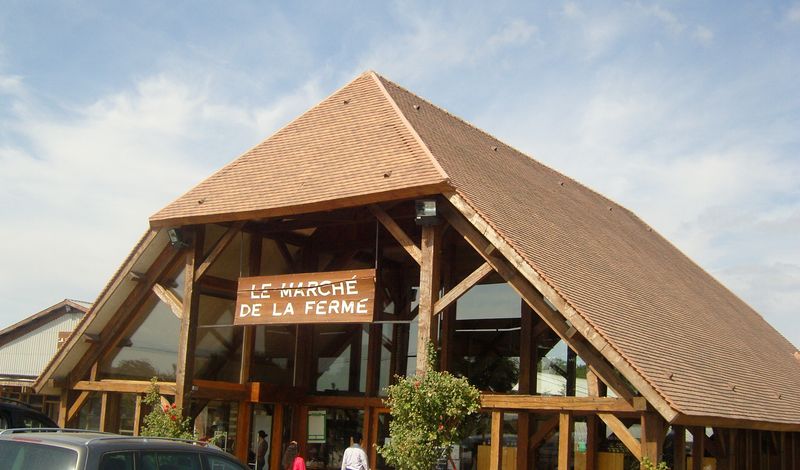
(429, 412)
(165, 419)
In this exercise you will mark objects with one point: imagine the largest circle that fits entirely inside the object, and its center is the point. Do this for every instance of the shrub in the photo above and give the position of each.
(165, 419)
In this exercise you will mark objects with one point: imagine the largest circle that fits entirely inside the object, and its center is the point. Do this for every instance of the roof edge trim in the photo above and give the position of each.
(739, 423)
(600, 343)
(377, 79)
(84, 323)
(353, 201)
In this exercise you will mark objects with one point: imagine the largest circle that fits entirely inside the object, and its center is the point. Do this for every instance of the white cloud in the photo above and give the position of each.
(793, 13)
(77, 189)
(515, 33)
(703, 35)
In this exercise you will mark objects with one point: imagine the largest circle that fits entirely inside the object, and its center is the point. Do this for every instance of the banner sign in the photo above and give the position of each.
(324, 297)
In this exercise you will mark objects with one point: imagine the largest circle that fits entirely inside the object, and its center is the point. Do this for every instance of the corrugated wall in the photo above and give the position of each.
(29, 354)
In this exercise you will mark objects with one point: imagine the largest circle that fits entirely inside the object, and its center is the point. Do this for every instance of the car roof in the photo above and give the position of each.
(76, 438)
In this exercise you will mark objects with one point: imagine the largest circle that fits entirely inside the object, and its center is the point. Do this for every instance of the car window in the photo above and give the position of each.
(32, 421)
(170, 461)
(222, 463)
(117, 461)
(27, 456)
(5, 420)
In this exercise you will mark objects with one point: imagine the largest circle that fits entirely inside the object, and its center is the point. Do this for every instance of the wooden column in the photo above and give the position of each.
(592, 441)
(374, 359)
(528, 359)
(137, 416)
(301, 429)
(572, 360)
(63, 407)
(698, 447)
(276, 444)
(109, 412)
(428, 294)
(496, 448)
(565, 446)
(652, 436)
(188, 333)
(248, 336)
(678, 448)
(243, 430)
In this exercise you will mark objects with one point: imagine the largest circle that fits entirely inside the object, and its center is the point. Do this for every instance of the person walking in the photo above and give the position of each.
(261, 450)
(291, 458)
(354, 457)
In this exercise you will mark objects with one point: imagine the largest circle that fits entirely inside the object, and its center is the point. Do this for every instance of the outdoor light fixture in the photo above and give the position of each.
(176, 238)
(425, 210)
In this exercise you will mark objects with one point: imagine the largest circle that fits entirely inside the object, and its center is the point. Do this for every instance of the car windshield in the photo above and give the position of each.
(15, 455)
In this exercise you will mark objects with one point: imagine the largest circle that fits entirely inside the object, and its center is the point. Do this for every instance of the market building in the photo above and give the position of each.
(28, 345)
(286, 291)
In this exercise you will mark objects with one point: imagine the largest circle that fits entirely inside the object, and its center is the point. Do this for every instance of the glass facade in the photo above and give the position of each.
(340, 358)
(340, 425)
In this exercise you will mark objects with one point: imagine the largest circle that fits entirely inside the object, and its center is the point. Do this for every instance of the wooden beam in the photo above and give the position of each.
(714, 421)
(219, 247)
(623, 433)
(123, 386)
(546, 429)
(462, 287)
(592, 442)
(169, 298)
(188, 332)
(398, 233)
(566, 452)
(534, 298)
(428, 294)
(558, 403)
(496, 443)
(77, 405)
(598, 342)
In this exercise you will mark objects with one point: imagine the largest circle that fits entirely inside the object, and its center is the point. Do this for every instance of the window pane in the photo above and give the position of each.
(170, 461)
(219, 463)
(117, 461)
(273, 355)
(338, 353)
(29, 456)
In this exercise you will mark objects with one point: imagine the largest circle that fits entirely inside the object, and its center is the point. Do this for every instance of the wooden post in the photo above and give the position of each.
(301, 430)
(572, 360)
(428, 294)
(137, 416)
(188, 333)
(565, 447)
(528, 359)
(592, 442)
(652, 436)
(678, 448)
(698, 446)
(109, 412)
(63, 407)
(243, 431)
(276, 443)
(496, 448)
(248, 336)
(374, 360)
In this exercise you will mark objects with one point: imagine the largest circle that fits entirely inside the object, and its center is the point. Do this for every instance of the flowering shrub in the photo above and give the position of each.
(165, 419)
(428, 416)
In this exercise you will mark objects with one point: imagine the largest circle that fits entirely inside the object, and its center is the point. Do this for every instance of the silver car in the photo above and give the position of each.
(71, 449)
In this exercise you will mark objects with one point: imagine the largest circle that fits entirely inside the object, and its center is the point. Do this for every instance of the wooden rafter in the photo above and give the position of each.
(219, 247)
(398, 233)
(169, 298)
(462, 287)
(534, 298)
(623, 433)
(77, 405)
(598, 342)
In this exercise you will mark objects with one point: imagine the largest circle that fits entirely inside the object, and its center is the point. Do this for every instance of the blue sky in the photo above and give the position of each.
(686, 112)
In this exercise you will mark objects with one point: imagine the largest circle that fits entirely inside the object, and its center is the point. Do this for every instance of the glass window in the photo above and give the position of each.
(340, 424)
(89, 415)
(151, 351)
(117, 461)
(486, 341)
(24, 455)
(127, 413)
(221, 463)
(216, 423)
(273, 354)
(340, 353)
(170, 461)
(5, 420)
(31, 421)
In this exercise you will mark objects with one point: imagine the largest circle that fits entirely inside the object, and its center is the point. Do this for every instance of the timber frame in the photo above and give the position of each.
(618, 397)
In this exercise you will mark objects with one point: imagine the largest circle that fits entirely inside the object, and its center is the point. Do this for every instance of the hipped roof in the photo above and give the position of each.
(704, 351)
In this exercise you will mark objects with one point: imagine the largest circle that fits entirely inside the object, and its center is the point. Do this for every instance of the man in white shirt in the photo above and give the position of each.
(354, 457)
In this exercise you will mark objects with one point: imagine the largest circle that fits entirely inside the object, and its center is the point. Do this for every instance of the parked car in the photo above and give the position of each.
(17, 414)
(74, 449)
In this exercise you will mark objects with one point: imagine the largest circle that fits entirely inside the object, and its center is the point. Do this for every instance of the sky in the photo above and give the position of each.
(686, 112)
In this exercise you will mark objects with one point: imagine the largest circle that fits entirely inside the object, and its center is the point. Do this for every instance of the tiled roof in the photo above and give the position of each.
(700, 347)
(353, 148)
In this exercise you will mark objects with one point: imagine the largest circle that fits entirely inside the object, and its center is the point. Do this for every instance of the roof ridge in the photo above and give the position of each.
(237, 161)
(377, 79)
